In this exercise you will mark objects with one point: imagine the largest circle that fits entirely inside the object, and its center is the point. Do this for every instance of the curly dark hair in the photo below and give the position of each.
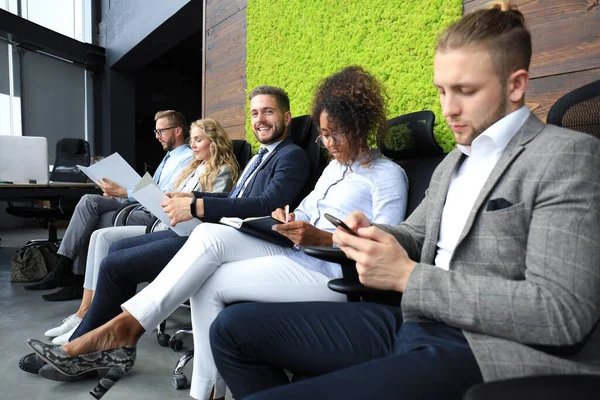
(355, 102)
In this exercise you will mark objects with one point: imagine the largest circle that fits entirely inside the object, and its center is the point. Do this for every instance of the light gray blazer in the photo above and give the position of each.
(520, 276)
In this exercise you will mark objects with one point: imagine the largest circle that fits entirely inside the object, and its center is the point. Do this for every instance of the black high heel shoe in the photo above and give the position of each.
(120, 361)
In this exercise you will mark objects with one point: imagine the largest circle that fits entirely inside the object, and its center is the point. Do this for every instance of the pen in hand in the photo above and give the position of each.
(287, 213)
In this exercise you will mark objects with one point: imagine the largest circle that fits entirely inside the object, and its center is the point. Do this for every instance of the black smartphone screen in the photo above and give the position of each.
(340, 224)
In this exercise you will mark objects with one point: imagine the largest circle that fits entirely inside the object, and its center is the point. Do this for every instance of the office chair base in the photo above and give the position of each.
(179, 378)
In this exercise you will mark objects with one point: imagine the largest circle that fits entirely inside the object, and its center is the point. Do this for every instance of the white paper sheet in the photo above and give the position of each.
(150, 196)
(115, 168)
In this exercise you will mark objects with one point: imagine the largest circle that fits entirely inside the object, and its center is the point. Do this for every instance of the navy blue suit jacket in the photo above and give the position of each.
(278, 181)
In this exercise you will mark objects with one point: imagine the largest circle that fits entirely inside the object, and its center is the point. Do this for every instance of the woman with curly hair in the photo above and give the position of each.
(214, 168)
(219, 265)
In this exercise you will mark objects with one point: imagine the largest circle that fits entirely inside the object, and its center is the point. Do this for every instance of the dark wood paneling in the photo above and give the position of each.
(220, 10)
(225, 64)
(565, 34)
(543, 92)
(236, 131)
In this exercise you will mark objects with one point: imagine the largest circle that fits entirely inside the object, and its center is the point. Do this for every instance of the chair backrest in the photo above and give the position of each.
(242, 151)
(303, 132)
(69, 154)
(578, 110)
(411, 144)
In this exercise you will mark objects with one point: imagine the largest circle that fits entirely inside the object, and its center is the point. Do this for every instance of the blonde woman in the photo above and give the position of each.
(213, 169)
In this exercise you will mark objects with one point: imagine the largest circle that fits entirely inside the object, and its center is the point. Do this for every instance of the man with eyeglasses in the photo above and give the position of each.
(95, 211)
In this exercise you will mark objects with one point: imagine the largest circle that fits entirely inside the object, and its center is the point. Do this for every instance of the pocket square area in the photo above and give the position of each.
(498, 204)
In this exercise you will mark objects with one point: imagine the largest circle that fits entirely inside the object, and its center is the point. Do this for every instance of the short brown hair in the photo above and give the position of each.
(283, 101)
(175, 118)
(500, 29)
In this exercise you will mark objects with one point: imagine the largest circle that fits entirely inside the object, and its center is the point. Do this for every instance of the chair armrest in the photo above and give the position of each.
(551, 387)
(120, 216)
(151, 225)
(349, 284)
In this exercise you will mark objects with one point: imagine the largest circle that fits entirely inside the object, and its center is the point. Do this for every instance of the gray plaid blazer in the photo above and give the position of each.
(524, 279)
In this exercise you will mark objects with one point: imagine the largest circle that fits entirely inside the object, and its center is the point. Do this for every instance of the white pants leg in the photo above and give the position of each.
(209, 246)
(99, 245)
(266, 279)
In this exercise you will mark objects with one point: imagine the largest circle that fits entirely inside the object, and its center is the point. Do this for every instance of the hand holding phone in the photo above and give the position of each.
(340, 224)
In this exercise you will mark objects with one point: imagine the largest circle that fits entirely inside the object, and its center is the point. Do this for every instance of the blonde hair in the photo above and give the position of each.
(500, 29)
(221, 153)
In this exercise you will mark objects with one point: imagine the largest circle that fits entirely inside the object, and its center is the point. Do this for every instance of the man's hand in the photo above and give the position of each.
(178, 209)
(280, 215)
(381, 262)
(111, 189)
(173, 195)
(304, 234)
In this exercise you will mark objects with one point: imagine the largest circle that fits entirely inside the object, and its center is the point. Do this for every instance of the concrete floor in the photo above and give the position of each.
(24, 314)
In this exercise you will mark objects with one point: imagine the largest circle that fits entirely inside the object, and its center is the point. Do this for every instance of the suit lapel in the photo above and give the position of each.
(516, 146)
(270, 156)
(434, 213)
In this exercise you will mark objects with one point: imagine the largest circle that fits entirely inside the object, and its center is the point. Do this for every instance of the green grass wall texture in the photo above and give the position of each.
(294, 44)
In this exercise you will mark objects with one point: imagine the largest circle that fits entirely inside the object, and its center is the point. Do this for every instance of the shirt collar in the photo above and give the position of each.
(177, 150)
(501, 131)
(271, 146)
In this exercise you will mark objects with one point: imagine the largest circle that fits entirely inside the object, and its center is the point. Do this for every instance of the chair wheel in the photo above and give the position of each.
(179, 381)
(176, 344)
(163, 339)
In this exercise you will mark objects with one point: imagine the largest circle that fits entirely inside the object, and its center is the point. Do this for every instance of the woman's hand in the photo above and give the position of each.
(279, 214)
(304, 234)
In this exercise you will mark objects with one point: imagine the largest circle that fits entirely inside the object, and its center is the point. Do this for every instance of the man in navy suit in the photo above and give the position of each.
(273, 178)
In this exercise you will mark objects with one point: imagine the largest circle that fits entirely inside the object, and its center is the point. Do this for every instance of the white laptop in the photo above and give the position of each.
(23, 159)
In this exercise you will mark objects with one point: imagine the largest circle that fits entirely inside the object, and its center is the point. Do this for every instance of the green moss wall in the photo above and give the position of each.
(296, 43)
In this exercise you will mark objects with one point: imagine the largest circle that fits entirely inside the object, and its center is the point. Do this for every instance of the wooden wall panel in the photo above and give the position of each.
(564, 34)
(224, 76)
(566, 47)
(543, 92)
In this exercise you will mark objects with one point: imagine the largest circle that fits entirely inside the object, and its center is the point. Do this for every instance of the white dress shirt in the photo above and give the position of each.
(379, 191)
(468, 179)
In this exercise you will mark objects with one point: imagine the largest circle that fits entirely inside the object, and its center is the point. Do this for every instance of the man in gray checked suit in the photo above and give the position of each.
(499, 266)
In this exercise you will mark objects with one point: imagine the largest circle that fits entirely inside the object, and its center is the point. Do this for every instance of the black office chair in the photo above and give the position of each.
(69, 153)
(411, 144)
(578, 110)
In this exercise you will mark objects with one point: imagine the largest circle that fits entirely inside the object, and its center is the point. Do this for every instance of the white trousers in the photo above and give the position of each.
(240, 268)
(100, 244)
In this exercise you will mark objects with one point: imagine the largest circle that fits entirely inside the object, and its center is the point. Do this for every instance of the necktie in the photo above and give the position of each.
(248, 173)
(160, 168)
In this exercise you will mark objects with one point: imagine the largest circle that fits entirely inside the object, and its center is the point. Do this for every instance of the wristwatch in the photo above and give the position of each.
(193, 208)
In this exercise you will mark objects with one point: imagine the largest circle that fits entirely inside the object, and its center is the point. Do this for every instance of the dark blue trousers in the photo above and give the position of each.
(130, 261)
(352, 350)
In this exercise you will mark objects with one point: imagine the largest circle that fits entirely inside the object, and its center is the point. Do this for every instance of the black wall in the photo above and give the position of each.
(147, 69)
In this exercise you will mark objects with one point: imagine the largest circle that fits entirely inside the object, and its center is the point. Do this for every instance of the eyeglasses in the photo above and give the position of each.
(335, 136)
(159, 132)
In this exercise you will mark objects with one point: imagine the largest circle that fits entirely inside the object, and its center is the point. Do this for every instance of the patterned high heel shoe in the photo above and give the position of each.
(119, 361)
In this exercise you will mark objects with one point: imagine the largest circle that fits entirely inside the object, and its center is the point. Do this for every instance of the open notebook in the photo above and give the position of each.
(259, 227)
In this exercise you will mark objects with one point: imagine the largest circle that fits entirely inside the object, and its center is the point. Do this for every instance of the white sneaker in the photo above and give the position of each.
(64, 338)
(68, 324)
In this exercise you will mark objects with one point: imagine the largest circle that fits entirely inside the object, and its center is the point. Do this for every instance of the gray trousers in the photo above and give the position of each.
(92, 212)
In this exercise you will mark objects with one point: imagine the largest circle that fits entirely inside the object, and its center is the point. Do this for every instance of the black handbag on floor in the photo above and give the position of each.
(33, 263)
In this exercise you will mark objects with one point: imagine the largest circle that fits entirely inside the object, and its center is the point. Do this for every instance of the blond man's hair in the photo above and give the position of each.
(500, 29)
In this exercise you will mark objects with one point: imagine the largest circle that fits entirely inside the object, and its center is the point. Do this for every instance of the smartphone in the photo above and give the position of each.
(339, 223)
